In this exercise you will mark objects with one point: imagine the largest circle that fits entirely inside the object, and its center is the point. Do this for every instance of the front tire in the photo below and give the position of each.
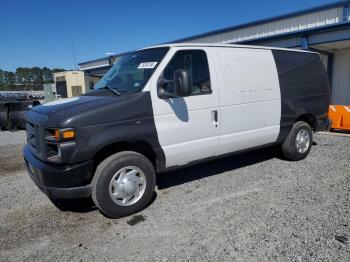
(123, 184)
(299, 141)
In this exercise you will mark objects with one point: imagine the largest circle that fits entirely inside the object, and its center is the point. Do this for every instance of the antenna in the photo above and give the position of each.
(75, 65)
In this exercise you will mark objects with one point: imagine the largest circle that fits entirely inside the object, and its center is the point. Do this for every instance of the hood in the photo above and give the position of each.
(92, 110)
(70, 103)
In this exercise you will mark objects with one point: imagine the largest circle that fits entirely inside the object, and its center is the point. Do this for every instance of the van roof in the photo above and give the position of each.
(227, 45)
(207, 45)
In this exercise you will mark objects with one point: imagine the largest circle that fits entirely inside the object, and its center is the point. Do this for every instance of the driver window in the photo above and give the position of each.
(196, 64)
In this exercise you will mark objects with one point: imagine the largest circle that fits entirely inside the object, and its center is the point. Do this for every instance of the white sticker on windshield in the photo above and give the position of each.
(147, 65)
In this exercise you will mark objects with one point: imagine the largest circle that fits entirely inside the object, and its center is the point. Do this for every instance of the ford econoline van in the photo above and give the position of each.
(171, 105)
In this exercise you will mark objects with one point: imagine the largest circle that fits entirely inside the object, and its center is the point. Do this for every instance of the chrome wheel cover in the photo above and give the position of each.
(302, 141)
(127, 186)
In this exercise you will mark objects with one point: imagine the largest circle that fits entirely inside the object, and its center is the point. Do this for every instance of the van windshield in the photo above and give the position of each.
(131, 71)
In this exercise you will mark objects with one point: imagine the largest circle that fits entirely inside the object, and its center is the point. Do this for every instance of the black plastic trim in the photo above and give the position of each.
(57, 177)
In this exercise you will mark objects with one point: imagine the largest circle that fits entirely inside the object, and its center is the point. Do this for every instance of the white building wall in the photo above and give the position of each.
(340, 94)
(72, 78)
(287, 25)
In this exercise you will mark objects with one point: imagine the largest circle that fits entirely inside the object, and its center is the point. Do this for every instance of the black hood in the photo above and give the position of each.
(71, 104)
(94, 109)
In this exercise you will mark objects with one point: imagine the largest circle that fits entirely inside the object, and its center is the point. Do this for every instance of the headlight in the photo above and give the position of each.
(58, 135)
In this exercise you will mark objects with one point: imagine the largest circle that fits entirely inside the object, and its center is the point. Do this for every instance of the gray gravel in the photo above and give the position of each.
(12, 138)
(253, 206)
(11, 144)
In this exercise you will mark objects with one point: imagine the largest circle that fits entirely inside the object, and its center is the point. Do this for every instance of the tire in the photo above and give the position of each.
(116, 168)
(289, 147)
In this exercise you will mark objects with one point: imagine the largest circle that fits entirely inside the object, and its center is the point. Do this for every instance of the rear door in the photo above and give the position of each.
(187, 126)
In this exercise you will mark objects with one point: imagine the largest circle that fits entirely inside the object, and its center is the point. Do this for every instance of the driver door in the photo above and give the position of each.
(188, 127)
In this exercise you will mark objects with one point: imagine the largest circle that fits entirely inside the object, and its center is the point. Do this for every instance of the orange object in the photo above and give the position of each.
(340, 116)
(68, 134)
(63, 134)
(57, 134)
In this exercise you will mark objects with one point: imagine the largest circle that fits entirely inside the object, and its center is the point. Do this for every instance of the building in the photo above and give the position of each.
(325, 29)
(73, 83)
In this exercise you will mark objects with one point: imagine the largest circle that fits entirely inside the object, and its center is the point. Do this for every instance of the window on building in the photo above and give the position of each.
(76, 90)
(60, 78)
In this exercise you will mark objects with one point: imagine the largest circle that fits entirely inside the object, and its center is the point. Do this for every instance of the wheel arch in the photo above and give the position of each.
(138, 146)
(308, 118)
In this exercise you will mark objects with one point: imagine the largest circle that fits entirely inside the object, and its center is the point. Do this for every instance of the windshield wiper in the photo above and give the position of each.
(116, 92)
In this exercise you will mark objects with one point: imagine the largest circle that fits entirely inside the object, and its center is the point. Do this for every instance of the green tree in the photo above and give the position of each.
(47, 75)
(2, 78)
(57, 70)
(37, 77)
(10, 78)
(25, 78)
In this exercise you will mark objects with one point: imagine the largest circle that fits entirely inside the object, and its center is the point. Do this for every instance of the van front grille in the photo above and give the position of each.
(33, 136)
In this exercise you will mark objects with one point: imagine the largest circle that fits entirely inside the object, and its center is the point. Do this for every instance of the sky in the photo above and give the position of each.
(42, 32)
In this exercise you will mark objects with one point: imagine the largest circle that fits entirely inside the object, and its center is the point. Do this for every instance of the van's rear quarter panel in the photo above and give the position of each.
(304, 88)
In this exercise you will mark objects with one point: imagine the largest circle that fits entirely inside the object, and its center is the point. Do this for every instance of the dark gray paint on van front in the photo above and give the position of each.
(101, 121)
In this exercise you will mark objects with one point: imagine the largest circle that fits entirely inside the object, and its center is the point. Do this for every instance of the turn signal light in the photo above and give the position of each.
(68, 134)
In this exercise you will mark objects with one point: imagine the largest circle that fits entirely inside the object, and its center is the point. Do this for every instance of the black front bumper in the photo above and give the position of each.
(60, 181)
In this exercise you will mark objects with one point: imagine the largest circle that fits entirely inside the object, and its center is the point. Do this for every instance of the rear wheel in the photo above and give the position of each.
(299, 141)
(123, 184)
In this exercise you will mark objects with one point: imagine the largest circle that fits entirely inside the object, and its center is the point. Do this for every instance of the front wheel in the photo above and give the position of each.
(299, 141)
(123, 184)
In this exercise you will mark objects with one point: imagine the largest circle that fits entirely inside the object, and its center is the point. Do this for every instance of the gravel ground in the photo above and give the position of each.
(11, 144)
(252, 206)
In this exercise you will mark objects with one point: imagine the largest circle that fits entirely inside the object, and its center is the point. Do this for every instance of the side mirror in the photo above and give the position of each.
(162, 88)
(181, 85)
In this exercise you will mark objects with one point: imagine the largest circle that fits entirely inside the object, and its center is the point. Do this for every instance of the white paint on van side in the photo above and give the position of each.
(245, 93)
(250, 98)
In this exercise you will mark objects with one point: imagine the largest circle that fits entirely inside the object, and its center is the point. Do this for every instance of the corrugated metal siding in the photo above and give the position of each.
(94, 64)
(298, 23)
(340, 94)
(329, 36)
(289, 43)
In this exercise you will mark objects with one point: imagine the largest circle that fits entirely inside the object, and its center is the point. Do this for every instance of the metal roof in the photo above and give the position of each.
(97, 63)
(225, 45)
(264, 21)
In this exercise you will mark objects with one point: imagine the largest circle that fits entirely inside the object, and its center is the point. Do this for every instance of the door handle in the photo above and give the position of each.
(215, 117)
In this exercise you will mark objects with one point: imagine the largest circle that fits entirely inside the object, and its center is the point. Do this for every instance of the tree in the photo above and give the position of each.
(26, 78)
(37, 76)
(2, 78)
(57, 70)
(47, 75)
(10, 78)
(23, 76)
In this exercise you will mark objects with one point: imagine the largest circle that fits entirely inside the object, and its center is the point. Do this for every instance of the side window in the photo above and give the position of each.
(195, 62)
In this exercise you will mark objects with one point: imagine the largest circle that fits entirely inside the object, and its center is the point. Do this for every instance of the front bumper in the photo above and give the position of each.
(60, 181)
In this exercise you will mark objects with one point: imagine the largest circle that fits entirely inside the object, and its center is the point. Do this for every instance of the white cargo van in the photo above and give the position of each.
(168, 106)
